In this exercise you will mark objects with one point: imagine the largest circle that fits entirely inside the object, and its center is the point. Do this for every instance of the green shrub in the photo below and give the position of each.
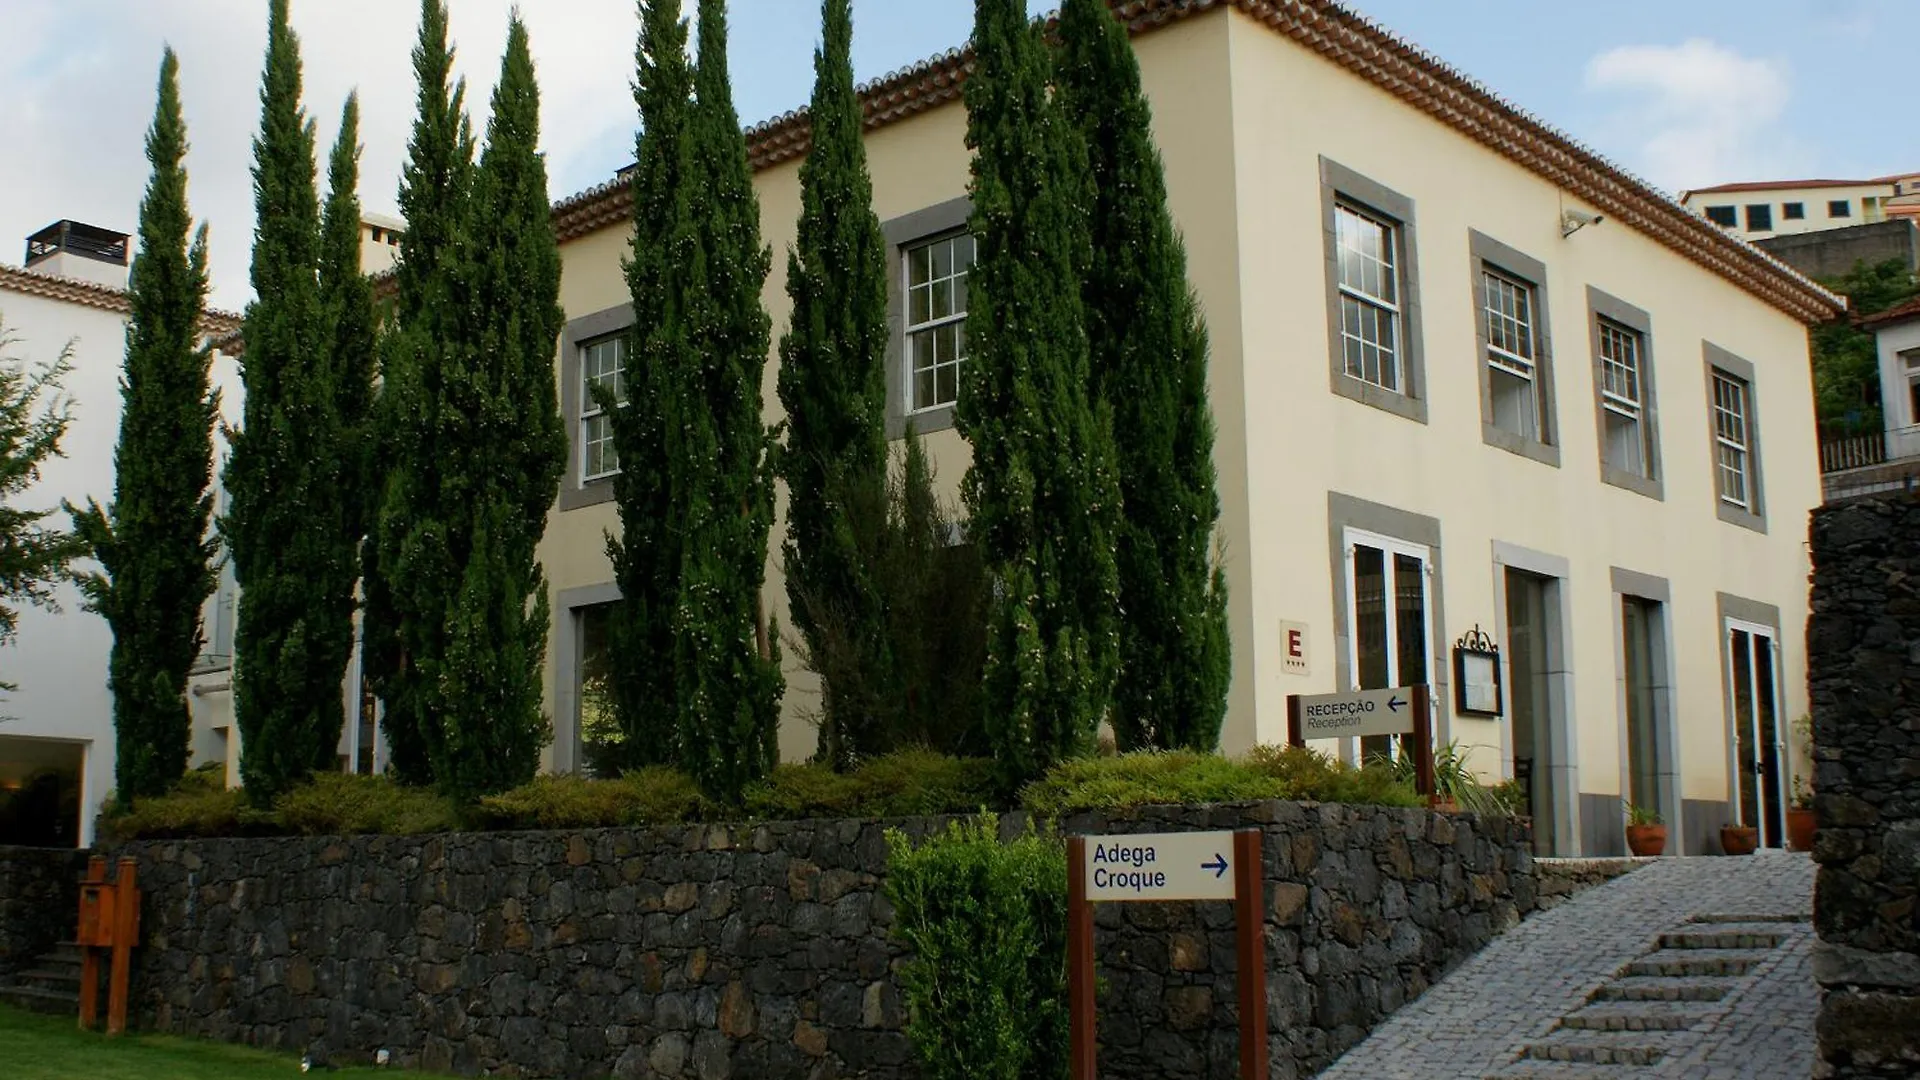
(1149, 778)
(652, 796)
(904, 784)
(198, 805)
(1311, 776)
(342, 804)
(1453, 779)
(985, 924)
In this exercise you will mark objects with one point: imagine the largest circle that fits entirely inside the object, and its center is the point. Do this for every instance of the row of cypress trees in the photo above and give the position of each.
(412, 458)
(1106, 600)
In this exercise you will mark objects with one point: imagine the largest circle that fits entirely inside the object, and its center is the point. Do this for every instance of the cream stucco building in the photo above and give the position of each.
(1466, 376)
(1758, 209)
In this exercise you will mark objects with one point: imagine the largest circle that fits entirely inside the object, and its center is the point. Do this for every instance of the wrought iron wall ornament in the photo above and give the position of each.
(1478, 690)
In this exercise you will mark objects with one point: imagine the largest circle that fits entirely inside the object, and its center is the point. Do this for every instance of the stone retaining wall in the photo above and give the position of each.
(39, 901)
(1863, 659)
(763, 952)
(1559, 880)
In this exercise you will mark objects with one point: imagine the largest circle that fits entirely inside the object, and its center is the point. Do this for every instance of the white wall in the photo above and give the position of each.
(1864, 200)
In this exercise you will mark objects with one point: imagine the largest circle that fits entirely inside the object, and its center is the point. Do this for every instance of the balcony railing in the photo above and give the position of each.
(1853, 452)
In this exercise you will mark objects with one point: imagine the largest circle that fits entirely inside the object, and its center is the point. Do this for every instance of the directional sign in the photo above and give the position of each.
(1359, 712)
(1160, 866)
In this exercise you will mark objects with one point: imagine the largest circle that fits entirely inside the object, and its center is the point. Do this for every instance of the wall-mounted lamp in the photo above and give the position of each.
(1572, 221)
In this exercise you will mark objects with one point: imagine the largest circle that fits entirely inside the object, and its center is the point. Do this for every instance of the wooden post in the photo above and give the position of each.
(1250, 933)
(1423, 739)
(126, 927)
(1295, 732)
(1081, 1044)
(90, 920)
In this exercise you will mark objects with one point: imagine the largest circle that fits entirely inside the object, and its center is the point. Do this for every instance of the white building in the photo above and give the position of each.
(1755, 210)
(59, 739)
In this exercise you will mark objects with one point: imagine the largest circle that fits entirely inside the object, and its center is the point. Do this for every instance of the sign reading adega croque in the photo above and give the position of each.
(1160, 866)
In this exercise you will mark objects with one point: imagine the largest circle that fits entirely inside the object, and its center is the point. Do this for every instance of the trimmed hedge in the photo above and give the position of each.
(910, 783)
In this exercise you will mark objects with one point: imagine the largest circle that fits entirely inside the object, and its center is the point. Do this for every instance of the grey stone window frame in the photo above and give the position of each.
(1717, 360)
(930, 223)
(1346, 512)
(567, 606)
(1490, 254)
(1604, 305)
(575, 493)
(1339, 184)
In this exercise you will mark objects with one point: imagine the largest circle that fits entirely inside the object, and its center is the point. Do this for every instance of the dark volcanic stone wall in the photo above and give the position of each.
(762, 951)
(1863, 659)
(39, 901)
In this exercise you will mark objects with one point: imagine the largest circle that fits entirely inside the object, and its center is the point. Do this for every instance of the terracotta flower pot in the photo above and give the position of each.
(1739, 839)
(1646, 841)
(1801, 826)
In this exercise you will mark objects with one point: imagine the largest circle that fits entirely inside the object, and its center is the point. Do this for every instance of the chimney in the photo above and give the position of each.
(72, 249)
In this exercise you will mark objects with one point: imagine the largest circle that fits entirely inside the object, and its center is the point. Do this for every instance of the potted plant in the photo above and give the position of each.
(1801, 824)
(1646, 833)
(1736, 839)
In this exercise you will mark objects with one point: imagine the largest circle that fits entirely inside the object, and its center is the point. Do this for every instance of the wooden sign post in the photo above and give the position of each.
(110, 920)
(1168, 866)
(1394, 710)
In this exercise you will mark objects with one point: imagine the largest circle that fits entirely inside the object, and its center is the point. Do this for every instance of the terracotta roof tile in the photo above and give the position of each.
(105, 297)
(1370, 51)
(1900, 312)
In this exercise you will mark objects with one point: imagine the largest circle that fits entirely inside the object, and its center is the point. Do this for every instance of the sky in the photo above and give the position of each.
(1684, 92)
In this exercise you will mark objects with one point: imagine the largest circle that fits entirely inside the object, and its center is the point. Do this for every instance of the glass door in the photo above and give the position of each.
(1387, 609)
(1753, 655)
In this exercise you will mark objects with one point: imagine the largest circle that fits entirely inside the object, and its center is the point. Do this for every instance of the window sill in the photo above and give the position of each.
(1532, 449)
(1639, 485)
(1746, 519)
(1392, 401)
(939, 418)
(591, 493)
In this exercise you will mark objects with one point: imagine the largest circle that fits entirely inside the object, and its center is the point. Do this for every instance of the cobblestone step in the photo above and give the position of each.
(1638, 1016)
(1777, 917)
(1726, 936)
(1693, 963)
(1565, 1070)
(1597, 1048)
(1665, 988)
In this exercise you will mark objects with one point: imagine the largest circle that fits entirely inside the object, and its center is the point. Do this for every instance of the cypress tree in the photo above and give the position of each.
(833, 385)
(409, 573)
(1148, 347)
(725, 658)
(646, 554)
(1042, 496)
(153, 544)
(503, 447)
(287, 522)
(346, 299)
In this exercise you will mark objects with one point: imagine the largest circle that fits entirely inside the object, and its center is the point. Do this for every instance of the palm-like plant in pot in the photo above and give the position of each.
(1646, 832)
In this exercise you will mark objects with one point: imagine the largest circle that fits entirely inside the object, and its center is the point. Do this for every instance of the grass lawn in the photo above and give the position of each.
(34, 1047)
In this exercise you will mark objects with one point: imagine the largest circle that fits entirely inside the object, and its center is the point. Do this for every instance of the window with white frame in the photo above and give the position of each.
(1732, 440)
(1623, 398)
(1507, 306)
(1368, 254)
(936, 322)
(1910, 364)
(602, 363)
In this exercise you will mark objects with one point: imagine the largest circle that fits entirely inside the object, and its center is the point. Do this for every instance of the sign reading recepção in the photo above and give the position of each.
(1388, 711)
(1160, 866)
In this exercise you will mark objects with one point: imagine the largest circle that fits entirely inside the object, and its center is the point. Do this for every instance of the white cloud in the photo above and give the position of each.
(1696, 113)
(77, 95)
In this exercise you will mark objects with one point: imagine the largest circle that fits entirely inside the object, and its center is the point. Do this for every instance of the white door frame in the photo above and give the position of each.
(1782, 765)
(1389, 546)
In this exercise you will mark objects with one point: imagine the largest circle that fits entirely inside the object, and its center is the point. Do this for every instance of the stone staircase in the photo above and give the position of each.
(50, 984)
(1654, 1006)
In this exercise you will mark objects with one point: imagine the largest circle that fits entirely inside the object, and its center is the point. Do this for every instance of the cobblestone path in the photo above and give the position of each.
(1685, 969)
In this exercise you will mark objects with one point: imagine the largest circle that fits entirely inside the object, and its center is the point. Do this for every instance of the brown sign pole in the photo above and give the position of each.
(1250, 933)
(1080, 1012)
(1423, 740)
